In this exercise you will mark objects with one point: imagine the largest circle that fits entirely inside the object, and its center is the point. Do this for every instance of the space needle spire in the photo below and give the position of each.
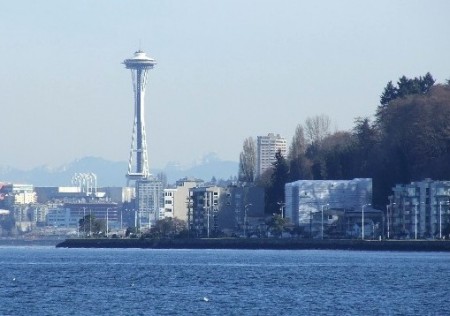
(139, 65)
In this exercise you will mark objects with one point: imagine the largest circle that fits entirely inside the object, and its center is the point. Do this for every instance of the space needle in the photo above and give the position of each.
(139, 65)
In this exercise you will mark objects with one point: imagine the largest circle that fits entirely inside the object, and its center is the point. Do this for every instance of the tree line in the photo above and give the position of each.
(407, 140)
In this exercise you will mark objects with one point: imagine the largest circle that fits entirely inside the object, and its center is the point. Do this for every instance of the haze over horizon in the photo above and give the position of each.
(226, 70)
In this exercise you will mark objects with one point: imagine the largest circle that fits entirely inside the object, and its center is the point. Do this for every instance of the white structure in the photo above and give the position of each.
(267, 147)
(304, 198)
(419, 209)
(86, 182)
(139, 65)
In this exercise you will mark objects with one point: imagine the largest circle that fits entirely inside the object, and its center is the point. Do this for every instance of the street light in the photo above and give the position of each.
(362, 220)
(207, 201)
(245, 218)
(389, 214)
(84, 222)
(415, 218)
(322, 217)
(107, 220)
(137, 220)
(281, 204)
(440, 217)
(90, 223)
(207, 212)
(121, 222)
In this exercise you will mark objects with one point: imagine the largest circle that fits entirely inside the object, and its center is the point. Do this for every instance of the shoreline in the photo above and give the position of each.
(270, 244)
(6, 242)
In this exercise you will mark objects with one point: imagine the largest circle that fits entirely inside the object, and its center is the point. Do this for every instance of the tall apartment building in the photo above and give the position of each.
(204, 205)
(267, 147)
(419, 209)
(149, 200)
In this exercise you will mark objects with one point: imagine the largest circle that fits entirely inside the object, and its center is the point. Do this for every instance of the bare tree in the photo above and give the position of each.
(317, 128)
(247, 161)
(298, 144)
(299, 165)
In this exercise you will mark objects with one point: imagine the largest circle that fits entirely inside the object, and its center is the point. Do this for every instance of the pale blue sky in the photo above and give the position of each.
(226, 70)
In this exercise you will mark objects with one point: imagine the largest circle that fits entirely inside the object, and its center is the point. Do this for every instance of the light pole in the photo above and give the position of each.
(415, 219)
(362, 220)
(207, 217)
(245, 218)
(90, 223)
(84, 222)
(281, 204)
(322, 217)
(389, 215)
(107, 220)
(137, 220)
(207, 205)
(440, 217)
(121, 223)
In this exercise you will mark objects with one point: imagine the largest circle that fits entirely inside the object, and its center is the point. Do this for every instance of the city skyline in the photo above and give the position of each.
(226, 70)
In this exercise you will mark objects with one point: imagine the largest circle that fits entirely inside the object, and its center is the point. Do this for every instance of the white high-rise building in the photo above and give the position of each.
(267, 147)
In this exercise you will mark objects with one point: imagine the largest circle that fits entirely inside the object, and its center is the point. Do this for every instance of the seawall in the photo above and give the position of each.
(280, 244)
(30, 242)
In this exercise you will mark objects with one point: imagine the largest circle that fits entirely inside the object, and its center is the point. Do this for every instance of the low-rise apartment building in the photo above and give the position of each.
(419, 210)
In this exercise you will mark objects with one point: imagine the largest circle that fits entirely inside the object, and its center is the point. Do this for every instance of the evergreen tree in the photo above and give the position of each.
(275, 192)
(405, 87)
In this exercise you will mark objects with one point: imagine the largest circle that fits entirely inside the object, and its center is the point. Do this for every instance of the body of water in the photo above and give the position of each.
(49, 281)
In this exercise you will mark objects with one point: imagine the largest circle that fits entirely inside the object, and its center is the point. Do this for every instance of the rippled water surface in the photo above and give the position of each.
(49, 281)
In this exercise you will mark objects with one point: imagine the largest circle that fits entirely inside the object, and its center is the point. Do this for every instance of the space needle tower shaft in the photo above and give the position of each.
(139, 65)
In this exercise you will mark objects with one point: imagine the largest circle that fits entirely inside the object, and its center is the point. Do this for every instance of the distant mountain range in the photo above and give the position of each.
(110, 173)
